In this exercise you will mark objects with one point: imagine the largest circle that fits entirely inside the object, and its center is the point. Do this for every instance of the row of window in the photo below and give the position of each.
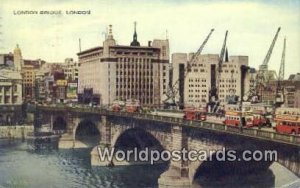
(132, 80)
(290, 123)
(119, 86)
(232, 118)
(134, 73)
(197, 90)
(230, 81)
(129, 93)
(134, 53)
(197, 100)
(227, 71)
(7, 88)
(227, 90)
(203, 65)
(197, 80)
(7, 100)
(191, 96)
(133, 65)
(26, 80)
(197, 85)
(201, 70)
(222, 85)
(134, 60)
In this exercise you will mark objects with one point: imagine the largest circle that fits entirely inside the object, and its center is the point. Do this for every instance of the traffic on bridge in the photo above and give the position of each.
(263, 129)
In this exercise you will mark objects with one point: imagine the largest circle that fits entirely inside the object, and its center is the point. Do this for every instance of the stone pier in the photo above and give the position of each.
(178, 173)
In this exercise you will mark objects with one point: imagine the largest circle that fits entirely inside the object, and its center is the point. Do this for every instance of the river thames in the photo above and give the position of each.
(22, 167)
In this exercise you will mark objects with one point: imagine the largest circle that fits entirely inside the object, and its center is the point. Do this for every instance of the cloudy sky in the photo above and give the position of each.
(251, 25)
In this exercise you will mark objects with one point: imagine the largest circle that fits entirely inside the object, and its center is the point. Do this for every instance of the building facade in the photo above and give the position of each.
(291, 91)
(7, 59)
(70, 69)
(10, 93)
(28, 75)
(118, 72)
(194, 89)
(29, 69)
(44, 81)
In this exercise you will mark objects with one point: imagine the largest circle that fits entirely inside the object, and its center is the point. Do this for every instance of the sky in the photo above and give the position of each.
(251, 26)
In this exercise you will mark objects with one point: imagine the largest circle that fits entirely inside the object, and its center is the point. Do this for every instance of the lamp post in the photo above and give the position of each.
(241, 115)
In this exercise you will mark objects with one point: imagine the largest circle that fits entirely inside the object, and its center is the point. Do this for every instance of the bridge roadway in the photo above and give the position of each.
(213, 126)
(175, 133)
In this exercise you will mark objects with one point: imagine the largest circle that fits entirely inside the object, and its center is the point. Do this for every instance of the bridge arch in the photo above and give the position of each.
(216, 172)
(86, 133)
(137, 139)
(138, 132)
(59, 123)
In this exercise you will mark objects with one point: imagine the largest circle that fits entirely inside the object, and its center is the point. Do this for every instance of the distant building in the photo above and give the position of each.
(29, 69)
(28, 74)
(46, 83)
(18, 60)
(59, 87)
(70, 69)
(7, 59)
(11, 92)
(291, 91)
(119, 72)
(40, 92)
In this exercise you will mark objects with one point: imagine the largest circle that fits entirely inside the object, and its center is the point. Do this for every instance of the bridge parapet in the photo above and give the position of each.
(108, 127)
(260, 134)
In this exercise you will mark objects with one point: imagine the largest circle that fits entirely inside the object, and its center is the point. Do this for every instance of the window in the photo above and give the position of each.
(164, 49)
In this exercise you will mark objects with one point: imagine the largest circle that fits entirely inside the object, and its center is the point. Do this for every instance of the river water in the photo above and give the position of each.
(21, 167)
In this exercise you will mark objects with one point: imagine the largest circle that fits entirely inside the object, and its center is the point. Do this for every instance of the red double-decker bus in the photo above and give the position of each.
(195, 114)
(249, 115)
(236, 118)
(287, 120)
(132, 106)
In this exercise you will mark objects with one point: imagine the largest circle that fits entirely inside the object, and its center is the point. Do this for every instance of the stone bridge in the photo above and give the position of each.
(174, 134)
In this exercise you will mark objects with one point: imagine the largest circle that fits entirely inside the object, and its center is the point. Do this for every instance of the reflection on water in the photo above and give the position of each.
(20, 167)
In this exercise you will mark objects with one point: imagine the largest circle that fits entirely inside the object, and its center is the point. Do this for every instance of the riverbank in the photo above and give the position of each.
(15, 132)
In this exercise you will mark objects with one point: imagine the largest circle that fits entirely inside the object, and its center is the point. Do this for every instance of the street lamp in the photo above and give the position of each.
(241, 115)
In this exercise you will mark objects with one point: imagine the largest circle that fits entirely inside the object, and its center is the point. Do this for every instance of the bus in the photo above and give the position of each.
(195, 114)
(249, 115)
(132, 106)
(287, 120)
(235, 118)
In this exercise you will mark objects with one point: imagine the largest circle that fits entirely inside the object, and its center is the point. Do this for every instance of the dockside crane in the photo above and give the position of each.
(262, 76)
(279, 98)
(214, 92)
(174, 89)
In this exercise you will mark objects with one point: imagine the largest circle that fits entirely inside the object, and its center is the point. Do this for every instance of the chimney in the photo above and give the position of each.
(149, 43)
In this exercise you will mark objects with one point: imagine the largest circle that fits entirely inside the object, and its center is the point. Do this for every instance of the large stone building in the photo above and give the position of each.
(11, 92)
(120, 72)
(194, 89)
